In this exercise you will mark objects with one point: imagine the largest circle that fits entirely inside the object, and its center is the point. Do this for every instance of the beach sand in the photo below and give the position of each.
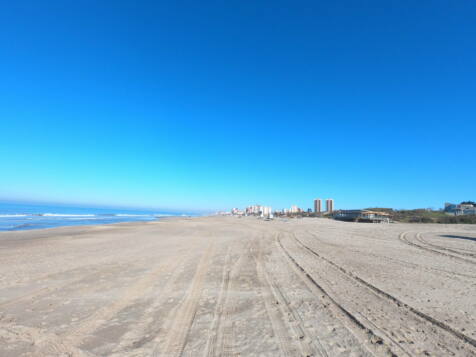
(229, 286)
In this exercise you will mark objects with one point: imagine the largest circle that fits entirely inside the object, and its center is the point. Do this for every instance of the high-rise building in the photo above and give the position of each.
(317, 205)
(256, 209)
(294, 209)
(267, 212)
(329, 205)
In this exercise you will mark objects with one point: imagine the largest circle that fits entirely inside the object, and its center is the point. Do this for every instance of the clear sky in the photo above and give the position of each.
(214, 104)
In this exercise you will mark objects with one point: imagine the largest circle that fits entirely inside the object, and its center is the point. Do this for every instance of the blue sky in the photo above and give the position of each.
(208, 105)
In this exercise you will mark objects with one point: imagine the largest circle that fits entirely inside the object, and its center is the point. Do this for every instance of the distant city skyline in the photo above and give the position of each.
(305, 206)
(257, 209)
(207, 106)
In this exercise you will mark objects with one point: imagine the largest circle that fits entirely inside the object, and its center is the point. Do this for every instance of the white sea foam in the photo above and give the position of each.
(76, 218)
(132, 215)
(67, 215)
(12, 215)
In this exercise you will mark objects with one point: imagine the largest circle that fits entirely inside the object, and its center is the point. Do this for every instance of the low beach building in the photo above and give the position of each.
(463, 208)
(362, 215)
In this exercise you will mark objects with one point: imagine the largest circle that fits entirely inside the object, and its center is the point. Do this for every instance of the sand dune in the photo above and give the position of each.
(227, 286)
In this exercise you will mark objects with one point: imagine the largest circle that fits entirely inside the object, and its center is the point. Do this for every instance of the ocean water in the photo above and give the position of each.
(15, 216)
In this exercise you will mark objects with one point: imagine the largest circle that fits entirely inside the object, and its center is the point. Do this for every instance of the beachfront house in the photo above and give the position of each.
(362, 215)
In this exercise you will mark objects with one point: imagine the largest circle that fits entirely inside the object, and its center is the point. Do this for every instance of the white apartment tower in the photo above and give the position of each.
(329, 205)
(317, 205)
(266, 212)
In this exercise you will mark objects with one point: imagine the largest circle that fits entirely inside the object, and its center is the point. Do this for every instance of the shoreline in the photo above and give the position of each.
(94, 225)
(75, 227)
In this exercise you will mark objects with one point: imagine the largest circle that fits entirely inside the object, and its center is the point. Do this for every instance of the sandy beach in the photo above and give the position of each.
(229, 286)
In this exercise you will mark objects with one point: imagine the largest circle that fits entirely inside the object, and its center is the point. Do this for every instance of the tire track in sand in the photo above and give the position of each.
(403, 238)
(225, 343)
(221, 340)
(419, 237)
(400, 304)
(364, 334)
(404, 263)
(282, 334)
(176, 337)
(285, 321)
(219, 313)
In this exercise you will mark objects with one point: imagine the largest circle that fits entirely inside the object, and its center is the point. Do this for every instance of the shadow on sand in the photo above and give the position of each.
(458, 237)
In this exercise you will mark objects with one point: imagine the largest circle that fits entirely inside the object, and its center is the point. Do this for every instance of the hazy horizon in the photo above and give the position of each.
(196, 211)
(98, 205)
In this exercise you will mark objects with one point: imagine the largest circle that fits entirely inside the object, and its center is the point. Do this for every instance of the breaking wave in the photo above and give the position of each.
(65, 215)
